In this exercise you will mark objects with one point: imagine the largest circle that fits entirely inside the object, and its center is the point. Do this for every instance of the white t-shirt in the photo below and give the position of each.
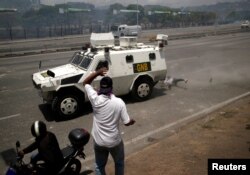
(108, 111)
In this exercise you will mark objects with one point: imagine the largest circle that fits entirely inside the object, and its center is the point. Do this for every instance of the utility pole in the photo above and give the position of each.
(137, 16)
(137, 13)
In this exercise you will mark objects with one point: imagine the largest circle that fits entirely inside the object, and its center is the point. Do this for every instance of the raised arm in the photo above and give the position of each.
(102, 71)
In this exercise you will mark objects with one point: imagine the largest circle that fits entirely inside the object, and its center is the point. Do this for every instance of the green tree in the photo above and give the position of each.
(117, 18)
(132, 17)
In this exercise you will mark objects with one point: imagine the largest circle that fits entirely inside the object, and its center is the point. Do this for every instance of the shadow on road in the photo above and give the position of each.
(50, 115)
(9, 156)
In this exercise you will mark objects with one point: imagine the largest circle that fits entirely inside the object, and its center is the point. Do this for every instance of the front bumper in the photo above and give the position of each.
(45, 95)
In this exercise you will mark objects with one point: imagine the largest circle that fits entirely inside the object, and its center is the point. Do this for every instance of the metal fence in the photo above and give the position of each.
(42, 32)
(15, 33)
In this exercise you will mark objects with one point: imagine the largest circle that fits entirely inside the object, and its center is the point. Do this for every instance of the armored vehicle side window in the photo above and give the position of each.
(152, 56)
(102, 64)
(129, 59)
(72, 58)
(77, 58)
(86, 62)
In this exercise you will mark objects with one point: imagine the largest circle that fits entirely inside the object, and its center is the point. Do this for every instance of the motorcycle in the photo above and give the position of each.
(72, 166)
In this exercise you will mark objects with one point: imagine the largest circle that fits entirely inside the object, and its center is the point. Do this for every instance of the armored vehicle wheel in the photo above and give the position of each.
(67, 106)
(142, 89)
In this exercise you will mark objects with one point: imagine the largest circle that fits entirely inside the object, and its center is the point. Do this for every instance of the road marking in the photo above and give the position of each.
(2, 75)
(10, 116)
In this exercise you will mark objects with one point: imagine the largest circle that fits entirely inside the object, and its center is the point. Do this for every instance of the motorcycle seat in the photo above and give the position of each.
(67, 151)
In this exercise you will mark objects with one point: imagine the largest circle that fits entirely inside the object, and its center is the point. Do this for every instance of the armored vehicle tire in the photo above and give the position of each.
(67, 105)
(142, 89)
(74, 167)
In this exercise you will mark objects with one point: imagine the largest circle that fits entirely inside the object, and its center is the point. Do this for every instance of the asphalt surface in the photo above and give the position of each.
(222, 134)
(23, 47)
(217, 68)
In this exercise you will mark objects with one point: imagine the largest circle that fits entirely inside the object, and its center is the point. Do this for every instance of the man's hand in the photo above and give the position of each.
(131, 122)
(20, 154)
(102, 72)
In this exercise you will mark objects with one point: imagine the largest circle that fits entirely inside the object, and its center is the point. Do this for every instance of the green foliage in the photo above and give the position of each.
(238, 15)
(50, 16)
(116, 6)
(20, 5)
(48, 11)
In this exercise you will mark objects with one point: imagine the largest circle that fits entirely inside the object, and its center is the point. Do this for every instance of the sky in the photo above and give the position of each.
(170, 3)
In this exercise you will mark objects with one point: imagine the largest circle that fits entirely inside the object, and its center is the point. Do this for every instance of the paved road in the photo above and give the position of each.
(217, 68)
(223, 134)
(44, 45)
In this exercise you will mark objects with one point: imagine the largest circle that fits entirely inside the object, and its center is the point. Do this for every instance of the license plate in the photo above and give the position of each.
(142, 67)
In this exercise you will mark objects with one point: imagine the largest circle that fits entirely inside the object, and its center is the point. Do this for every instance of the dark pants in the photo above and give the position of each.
(101, 158)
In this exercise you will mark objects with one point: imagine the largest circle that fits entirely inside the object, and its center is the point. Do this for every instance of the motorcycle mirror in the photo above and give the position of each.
(18, 144)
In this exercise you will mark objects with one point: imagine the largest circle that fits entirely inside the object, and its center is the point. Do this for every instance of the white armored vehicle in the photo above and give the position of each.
(126, 30)
(134, 67)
